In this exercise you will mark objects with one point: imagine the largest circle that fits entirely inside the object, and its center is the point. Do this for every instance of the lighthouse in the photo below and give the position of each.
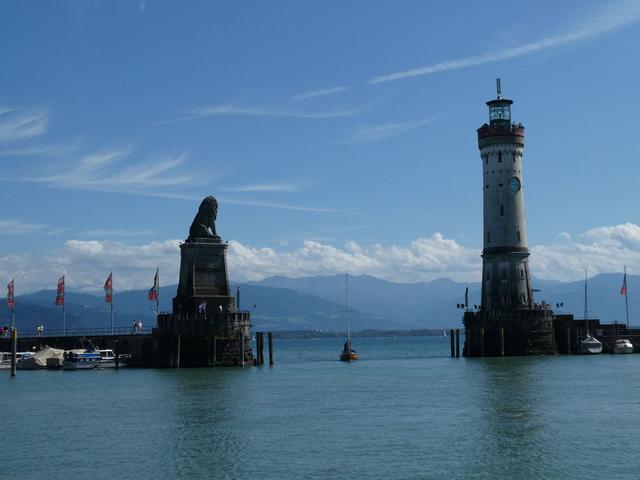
(506, 282)
(507, 321)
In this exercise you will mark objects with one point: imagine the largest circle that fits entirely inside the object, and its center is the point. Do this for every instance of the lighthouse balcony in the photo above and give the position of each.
(499, 129)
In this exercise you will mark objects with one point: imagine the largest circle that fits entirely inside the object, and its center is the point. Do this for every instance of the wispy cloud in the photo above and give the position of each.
(319, 92)
(40, 150)
(18, 125)
(104, 171)
(234, 110)
(118, 233)
(263, 187)
(17, 227)
(620, 15)
(281, 206)
(374, 133)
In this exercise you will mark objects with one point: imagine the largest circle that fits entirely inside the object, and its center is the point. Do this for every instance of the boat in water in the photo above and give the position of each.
(81, 360)
(348, 353)
(109, 359)
(46, 357)
(622, 345)
(589, 344)
(5, 359)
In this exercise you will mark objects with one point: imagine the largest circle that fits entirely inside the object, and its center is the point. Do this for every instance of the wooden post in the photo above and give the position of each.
(14, 350)
(502, 341)
(457, 343)
(482, 342)
(179, 342)
(452, 340)
(260, 348)
(117, 346)
(215, 351)
(270, 337)
(242, 348)
(569, 340)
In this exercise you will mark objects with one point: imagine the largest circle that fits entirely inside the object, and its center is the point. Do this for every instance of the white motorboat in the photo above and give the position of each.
(5, 358)
(109, 359)
(622, 345)
(590, 345)
(74, 360)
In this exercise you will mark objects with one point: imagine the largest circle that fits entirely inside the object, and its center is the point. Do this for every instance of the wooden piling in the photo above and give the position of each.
(270, 337)
(502, 341)
(457, 343)
(568, 341)
(117, 347)
(215, 350)
(260, 348)
(482, 342)
(242, 348)
(452, 340)
(178, 353)
(14, 350)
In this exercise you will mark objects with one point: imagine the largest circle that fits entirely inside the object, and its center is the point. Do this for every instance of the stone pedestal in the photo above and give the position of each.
(509, 332)
(205, 328)
(203, 278)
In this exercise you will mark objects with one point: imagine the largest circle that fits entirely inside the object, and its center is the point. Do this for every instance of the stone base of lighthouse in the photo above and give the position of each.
(509, 333)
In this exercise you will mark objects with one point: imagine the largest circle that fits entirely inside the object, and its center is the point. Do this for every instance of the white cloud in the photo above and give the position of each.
(319, 93)
(374, 133)
(17, 227)
(621, 15)
(264, 187)
(87, 262)
(104, 171)
(234, 110)
(18, 125)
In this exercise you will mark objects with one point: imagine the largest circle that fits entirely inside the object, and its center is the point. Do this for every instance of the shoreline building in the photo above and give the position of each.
(507, 322)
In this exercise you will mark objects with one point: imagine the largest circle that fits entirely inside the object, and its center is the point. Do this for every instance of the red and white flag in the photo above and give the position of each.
(153, 293)
(10, 298)
(60, 294)
(108, 288)
(623, 290)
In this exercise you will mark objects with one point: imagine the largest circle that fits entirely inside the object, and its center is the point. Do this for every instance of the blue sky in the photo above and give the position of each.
(336, 135)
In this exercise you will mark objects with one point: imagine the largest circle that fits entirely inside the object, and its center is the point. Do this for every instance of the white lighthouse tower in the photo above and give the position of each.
(507, 322)
(506, 283)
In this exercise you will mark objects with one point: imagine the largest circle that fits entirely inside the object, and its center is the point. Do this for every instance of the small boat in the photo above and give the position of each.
(590, 345)
(74, 360)
(5, 358)
(109, 359)
(348, 354)
(622, 345)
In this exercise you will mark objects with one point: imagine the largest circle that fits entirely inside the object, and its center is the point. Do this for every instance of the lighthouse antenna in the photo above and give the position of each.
(498, 88)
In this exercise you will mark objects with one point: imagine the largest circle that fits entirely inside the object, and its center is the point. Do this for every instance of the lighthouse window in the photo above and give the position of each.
(499, 157)
(514, 157)
(486, 160)
(486, 186)
(488, 237)
(501, 208)
(518, 234)
(521, 273)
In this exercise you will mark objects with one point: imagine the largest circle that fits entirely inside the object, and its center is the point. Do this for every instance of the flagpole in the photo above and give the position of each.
(63, 321)
(158, 296)
(112, 316)
(626, 296)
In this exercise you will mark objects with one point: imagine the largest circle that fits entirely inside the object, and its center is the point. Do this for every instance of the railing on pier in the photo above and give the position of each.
(499, 129)
(87, 332)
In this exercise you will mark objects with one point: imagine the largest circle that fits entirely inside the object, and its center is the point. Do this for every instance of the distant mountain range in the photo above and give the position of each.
(318, 303)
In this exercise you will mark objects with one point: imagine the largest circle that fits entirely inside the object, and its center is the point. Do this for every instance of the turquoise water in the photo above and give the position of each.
(405, 410)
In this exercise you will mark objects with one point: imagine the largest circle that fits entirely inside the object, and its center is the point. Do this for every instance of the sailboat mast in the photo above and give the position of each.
(348, 310)
(586, 308)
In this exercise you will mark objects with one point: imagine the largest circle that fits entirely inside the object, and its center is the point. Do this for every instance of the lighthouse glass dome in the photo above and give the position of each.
(500, 111)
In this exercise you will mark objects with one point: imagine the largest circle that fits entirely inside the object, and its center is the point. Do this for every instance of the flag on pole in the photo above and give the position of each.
(60, 295)
(153, 293)
(623, 290)
(108, 288)
(10, 297)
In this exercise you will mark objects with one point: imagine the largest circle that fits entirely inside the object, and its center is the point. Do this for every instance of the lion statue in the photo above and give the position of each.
(204, 223)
